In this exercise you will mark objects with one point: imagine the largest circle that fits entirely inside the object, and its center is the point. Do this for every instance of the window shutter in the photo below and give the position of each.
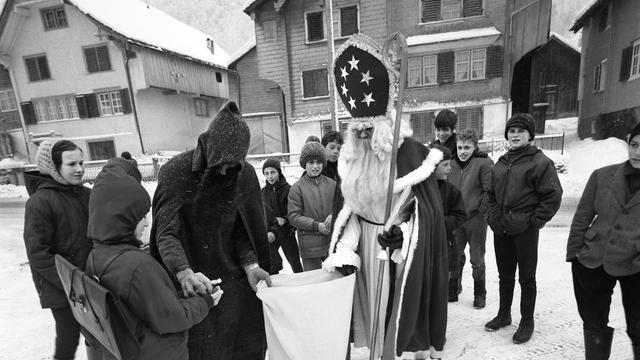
(625, 63)
(28, 113)
(321, 82)
(472, 8)
(349, 21)
(431, 10)
(91, 58)
(495, 61)
(81, 103)
(445, 67)
(93, 110)
(315, 27)
(475, 120)
(104, 63)
(418, 127)
(126, 101)
(307, 84)
(32, 69)
(43, 66)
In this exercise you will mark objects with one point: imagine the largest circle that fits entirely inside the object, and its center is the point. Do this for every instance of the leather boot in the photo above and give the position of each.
(453, 290)
(597, 345)
(524, 332)
(504, 313)
(479, 294)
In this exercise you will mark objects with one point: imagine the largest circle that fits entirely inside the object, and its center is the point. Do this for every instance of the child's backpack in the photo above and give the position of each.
(97, 310)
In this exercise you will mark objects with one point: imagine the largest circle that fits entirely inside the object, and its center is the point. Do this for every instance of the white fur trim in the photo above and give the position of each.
(338, 226)
(420, 174)
(341, 258)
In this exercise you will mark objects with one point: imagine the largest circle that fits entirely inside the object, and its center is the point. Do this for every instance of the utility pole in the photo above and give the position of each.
(333, 96)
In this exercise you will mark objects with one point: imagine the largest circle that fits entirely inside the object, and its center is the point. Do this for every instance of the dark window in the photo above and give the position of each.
(348, 20)
(603, 18)
(97, 58)
(101, 150)
(201, 106)
(37, 68)
(315, 83)
(54, 18)
(438, 10)
(218, 77)
(315, 26)
(270, 30)
(328, 126)
(422, 126)
(470, 118)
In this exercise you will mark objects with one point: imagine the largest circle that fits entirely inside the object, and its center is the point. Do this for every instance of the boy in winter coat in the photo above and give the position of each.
(445, 124)
(280, 232)
(525, 194)
(117, 218)
(471, 173)
(309, 208)
(452, 205)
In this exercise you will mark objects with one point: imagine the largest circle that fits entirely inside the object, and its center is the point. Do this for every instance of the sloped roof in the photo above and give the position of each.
(251, 5)
(587, 11)
(147, 26)
(564, 41)
(245, 48)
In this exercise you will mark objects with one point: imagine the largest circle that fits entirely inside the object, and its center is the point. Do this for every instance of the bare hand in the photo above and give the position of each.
(194, 284)
(216, 295)
(327, 221)
(281, 221)
(255, 275)
(324, 229)
(271, 237)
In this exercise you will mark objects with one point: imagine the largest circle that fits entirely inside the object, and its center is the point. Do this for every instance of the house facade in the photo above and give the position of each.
(9, 117)
(609, 96)
(80, 72)
(462, 54)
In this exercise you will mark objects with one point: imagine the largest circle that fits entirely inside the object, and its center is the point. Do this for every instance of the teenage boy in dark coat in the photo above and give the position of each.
(208, 217)
(332, 142)
(280, 232)
(445, 124)
(525, 194)
(471, 173)
(117, 217)
(453, 207)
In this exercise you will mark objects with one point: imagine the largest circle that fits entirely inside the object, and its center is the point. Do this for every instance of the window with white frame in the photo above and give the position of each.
(101, 149)
(451, 9)
(7, 100)
(54, 18)
(110, 103)
(349, 20)
(470, 64)
(315, 83)
(600, 76)
(56, 108)
(635, 61)
(423, 70)
(314, 26)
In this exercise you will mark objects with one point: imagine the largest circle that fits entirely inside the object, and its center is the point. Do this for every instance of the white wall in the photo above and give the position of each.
(495, 119)
(298, 133)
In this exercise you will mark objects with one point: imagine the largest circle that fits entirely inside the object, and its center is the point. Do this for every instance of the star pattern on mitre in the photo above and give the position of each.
(362, 81)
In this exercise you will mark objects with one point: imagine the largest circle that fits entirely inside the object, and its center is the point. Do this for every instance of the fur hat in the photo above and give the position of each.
(312, 151)
(635, 131)
(228, 136)
(44, 160)
(272, 162)
(524, 121)
(130, 167)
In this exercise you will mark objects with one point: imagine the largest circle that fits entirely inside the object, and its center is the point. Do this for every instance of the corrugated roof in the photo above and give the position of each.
(147, 26)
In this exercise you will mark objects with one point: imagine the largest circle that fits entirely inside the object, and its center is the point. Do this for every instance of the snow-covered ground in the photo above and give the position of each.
(27, 332)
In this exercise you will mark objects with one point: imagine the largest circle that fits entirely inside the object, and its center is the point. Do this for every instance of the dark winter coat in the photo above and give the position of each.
(605, 230)
(55, 222)
(525, 192)
(157, 315)
(450, 144)
(275, 199)
(454, 216)
(474, 181)
(310, 202)
(331, 171)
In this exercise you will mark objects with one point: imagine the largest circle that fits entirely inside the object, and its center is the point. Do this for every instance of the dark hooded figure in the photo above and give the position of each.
(117, 217)
(208, 217)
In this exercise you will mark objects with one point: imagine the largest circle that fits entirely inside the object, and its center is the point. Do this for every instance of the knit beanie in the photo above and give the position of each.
(312, 151)
(130, 167)
(524, 121)
(274, 163)
(635, 131)
(44, 160)
(228, 136)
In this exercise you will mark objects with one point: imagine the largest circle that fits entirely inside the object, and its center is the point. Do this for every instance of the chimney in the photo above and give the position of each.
(210, 45)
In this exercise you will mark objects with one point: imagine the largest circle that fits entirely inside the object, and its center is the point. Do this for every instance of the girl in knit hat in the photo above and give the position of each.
(56, 223)
(309, 208)
(525, 194)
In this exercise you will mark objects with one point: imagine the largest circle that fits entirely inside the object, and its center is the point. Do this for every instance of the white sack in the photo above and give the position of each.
(307, 315)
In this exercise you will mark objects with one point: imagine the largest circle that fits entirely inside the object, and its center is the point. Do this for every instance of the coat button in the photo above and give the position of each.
(206, 246)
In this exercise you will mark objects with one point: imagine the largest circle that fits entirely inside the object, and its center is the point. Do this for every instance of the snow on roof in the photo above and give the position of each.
(564, 40)
(147, 26)
(243, 50)
(452, 35)
(586, 10)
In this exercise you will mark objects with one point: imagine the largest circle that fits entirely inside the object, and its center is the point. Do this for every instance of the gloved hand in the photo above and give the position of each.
(346, 270)
(391, 239)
